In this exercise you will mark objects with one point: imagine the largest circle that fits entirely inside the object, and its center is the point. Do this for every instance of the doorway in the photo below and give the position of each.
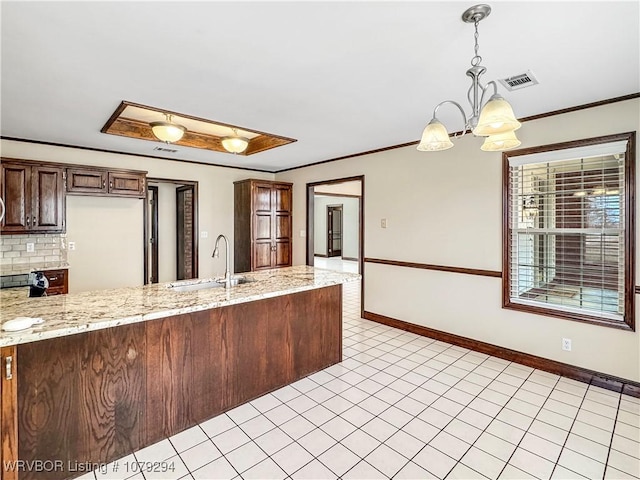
(334, 230)
(171, 240)
(347, 193)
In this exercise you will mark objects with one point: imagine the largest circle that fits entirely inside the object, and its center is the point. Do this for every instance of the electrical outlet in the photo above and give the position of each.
(383, 223)
(72, 245)
(31, 247)
(303, 233)
(204, 234)
(566, 344)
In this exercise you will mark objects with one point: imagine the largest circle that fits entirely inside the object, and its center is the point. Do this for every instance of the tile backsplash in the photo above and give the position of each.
(49, 251)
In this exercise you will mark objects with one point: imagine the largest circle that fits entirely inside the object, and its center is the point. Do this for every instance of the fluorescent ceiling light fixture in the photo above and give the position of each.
(490, 119)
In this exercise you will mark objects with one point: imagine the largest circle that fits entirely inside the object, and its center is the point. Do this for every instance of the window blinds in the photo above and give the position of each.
(567, 232)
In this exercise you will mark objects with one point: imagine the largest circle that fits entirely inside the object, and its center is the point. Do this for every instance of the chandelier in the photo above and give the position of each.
(494, 119)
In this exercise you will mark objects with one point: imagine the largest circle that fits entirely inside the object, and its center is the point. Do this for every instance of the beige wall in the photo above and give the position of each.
(445, 208)
(108, 242)
(345, 188)
(123, 266)
(441, 208)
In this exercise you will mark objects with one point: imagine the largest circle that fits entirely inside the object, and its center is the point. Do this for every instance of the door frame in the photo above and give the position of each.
(195, 223)
(153, 233)
(333, 208)
(310, 229)
(194, 252)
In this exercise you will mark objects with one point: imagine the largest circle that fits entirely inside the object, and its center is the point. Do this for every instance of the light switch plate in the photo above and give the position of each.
(31, 247)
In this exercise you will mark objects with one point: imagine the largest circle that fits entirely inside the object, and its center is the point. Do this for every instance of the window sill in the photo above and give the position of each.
(576, 317)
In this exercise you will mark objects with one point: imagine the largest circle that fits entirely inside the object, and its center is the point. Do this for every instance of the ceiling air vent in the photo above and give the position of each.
(517, 82)
(168, 150)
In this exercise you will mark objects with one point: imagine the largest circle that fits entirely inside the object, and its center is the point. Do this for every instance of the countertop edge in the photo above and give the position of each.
(8, 339)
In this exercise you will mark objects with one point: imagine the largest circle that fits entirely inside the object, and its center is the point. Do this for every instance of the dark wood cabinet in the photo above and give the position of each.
(8, 413)
(81, 398)
(58, 281)
(184, 372)
(86, 180)
(262, 225)
(102, 181)
(129, 184)
(93, 397)
(34, 198)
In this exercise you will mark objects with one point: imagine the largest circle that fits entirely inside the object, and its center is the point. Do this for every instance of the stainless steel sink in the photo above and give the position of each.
(191, 285)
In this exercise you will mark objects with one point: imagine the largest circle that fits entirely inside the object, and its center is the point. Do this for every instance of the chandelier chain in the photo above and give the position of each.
(477, 59)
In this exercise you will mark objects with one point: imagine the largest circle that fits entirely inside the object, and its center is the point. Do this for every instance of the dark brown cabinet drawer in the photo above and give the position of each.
(58, 281)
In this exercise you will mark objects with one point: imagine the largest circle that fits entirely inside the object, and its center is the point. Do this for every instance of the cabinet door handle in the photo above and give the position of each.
(28, 220)
(34, 221)
(104, 183)
(8, 367)
(110, 185)
(53, 279)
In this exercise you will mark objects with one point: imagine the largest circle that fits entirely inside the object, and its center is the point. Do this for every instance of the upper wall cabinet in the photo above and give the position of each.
(102, 181)
(34, 198)
(262, 225)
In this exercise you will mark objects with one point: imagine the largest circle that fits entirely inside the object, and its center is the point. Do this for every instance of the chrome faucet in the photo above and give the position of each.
(216, 254)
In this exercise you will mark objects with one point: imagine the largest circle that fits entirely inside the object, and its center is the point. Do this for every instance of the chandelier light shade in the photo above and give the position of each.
(500, 142)
(494, 119)
(235, 143)
(168, 131)
(435, 137)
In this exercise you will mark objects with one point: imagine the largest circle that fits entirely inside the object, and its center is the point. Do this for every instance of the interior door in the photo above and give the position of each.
(334, 230)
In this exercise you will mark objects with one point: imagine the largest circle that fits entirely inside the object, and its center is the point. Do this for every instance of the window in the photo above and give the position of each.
(568, 230)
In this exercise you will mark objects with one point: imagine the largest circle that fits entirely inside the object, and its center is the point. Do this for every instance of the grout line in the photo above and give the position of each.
(613, 433)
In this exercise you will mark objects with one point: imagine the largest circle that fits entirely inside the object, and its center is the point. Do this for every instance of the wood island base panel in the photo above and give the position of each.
(90, 398)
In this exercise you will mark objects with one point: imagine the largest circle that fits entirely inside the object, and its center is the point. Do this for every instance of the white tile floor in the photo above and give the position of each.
(407, 407)
(336, 263)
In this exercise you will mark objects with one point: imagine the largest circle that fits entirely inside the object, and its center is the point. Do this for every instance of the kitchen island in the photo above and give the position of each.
(111, 372)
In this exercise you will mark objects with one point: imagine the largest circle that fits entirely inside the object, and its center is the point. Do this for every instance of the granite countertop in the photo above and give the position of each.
(85, 311)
